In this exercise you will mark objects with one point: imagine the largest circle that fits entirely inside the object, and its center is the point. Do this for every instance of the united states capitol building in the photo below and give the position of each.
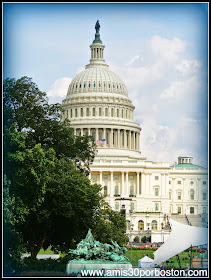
(98, 104)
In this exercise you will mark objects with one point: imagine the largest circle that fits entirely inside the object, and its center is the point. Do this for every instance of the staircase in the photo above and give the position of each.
(180, 219)
(196, 220)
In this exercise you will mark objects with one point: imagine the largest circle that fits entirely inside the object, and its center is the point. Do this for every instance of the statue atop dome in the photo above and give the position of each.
(97, 26)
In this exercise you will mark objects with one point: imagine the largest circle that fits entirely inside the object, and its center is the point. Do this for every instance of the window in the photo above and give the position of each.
(117, 113)
(191, 210)
(116, 205)
(204, 210)
(76, 113)
(179, 210)
(132, 207)
(131, 177)
(140, 225)
(80, 86)
(156, 177)
(116, 177)
(81, 112)
(154, 225)
(169, 182)
(116, 191)
(131, 191)
(87, 112)
(204, 182)
(94, 177)
(192, 194)
(105, 191)
(179, 182)
(93, 111)
(105, 177)
(100, 112)
(169, 195)
(100, 135)
(204, 195)
(127, 225)
(112, 112)
(106, 112)
(179, 195)
(156, 206)
(122, 113)
(156, 191)
(84, 85)
(191, 182)
(93, 133)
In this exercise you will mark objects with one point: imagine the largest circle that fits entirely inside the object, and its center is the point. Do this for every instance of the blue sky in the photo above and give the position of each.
(159, 50)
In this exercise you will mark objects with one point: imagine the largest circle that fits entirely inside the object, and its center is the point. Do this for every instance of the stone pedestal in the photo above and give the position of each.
(75, 266)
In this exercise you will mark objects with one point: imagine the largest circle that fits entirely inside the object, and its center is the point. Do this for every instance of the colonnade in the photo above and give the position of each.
(127, 185)
(115, 138)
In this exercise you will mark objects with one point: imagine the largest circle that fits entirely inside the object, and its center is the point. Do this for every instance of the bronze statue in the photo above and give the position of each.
(97, 26)
(90, 249)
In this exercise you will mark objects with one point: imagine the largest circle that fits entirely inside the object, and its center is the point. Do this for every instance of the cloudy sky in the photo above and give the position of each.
(159, 51)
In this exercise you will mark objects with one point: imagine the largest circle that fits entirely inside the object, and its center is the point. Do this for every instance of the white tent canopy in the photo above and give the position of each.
(181, 238)
(145, 262)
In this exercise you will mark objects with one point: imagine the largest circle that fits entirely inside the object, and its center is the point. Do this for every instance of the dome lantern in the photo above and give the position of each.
(97, 49)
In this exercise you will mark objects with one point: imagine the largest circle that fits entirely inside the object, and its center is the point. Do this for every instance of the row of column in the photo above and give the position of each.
(115, 138)
(99, 111)
(125, 184)
(96, 53)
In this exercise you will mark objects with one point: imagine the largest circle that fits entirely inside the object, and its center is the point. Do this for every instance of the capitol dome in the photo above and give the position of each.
(97, 104)
(97, 79)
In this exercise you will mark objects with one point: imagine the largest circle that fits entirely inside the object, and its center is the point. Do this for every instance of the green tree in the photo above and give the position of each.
(109, 225)
(27, 108)
(136, 239)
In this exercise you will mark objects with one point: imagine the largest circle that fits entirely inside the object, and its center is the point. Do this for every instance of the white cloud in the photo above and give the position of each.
(187, 67)
(59, 87)
(167, 49)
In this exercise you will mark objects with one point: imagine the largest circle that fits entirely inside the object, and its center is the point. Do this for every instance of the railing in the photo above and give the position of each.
(188, 220)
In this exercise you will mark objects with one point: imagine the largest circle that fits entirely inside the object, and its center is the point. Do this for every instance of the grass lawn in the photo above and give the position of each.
(135, 255)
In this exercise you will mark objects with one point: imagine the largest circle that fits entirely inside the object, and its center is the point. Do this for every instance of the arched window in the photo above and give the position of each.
(87, 112)
(116, 190)
(154, 225)
(106, 112)
(100, 112)
(140, 225)
(131, 191)
(71, 113)
(93, 111)
(117, 113)
(127, 225)
(112, 112)
(105, 191)
(122, 113)
(94, 84)
(192, 194)
(89, 85)
(81, 112)
(80, 86)
(93, 134)
(76, 113)
(84, 85)
(116, 205)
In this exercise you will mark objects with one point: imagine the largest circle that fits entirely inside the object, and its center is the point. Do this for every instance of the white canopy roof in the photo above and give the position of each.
(181, 238)
(145, 262)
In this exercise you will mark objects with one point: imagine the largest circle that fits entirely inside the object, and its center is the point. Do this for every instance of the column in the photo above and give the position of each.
(74, 131)
(89, 131)
(137, 183)
(127, 190)
(162, 185)
(112, 187)
(118, 142)
(90, 176)
(125, 139)
(101, 177)
(111, 138)
(134, 140)
(129, 139)
(123, 192)
(82, 132)
(143, 186)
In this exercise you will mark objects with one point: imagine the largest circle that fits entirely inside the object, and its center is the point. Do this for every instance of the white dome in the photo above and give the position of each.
(97, 79)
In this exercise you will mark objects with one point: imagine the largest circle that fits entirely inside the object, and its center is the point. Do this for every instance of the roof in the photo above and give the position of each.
(188, 165)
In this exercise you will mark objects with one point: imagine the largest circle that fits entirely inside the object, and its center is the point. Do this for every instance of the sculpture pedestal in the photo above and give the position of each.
(75, 266)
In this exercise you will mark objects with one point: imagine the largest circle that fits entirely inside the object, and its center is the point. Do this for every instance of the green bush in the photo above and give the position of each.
(144, 239)
(136, 239)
